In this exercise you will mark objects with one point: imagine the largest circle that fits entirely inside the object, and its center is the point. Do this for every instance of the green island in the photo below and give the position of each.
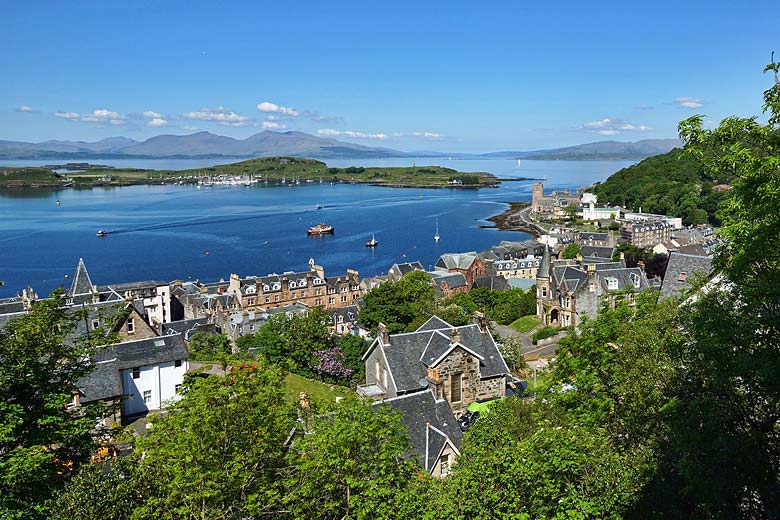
(273, 171)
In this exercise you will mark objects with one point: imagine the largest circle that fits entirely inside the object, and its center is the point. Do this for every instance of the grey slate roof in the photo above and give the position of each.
(495, 283)
(681, 269)
(81, 282)
(349, 314)
(407, 359)
(590, 235)
(544, 267)
(182, 326)
(457, 260)
(453, 280)
(102, 383)
(11, 305)
(598, 251)
(143, 352)
(417, 411)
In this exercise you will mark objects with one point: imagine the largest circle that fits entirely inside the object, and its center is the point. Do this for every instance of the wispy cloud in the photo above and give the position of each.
(273, 125)
(688, 102)
(319, 117)
(27, 110)
(609, 127)
(642, 106)
(272, 108)
(330, 132)
(425, 135)
(221, 116)
(102, 116)
(155, 119)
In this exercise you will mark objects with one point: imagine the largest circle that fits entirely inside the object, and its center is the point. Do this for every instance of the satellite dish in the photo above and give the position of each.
(423, 383)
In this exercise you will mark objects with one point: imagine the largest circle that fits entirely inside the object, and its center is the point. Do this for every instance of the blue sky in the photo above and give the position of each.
(447, 76)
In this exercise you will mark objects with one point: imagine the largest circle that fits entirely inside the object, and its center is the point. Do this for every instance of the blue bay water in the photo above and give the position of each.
(182, 232)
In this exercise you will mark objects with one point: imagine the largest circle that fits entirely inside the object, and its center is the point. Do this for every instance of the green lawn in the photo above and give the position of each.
(524, 324)
(295, 384)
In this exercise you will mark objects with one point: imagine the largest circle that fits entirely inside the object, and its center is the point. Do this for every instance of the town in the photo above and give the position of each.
(438, 376)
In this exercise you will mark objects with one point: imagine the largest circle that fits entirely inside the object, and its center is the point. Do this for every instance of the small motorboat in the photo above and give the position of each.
(320, 229)
(59, 203)
(318, 207)
(373, 242)
(102, 233)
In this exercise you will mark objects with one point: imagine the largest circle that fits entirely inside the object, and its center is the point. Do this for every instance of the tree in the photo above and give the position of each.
(42, 439)
(209, 347)
(399, 304)
(571, 211)
(572, 250)
(353, 348)
(219, 453)
(349, 463)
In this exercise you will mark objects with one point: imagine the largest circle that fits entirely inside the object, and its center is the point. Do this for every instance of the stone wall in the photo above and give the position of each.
(459, 361)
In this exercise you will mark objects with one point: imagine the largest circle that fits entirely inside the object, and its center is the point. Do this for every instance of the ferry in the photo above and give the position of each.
(102, 233)
(373, 242)
(320, 229)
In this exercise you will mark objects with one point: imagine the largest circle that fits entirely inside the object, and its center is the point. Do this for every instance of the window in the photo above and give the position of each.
(147, 396)
(303, 294)
(331, 300)
(177, 388)
(294, 295)
(444, 465)
(95, 324)
(177, 363)
(318, 301)
(267, 299)
(276, 297)
(131, 325)
(316, 292)
(344, 298)
(544, 291)
(136, 372)
(455, 387)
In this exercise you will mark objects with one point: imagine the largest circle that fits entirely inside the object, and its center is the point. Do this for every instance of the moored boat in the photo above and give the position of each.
(373, 242)
(102, 233)
(320, 229)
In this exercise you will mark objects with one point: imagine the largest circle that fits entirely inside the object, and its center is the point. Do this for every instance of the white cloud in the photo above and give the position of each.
(157, 121)
(273, 108)
(189, 128)
(220, 115)
(272, 125)
(688, 102)
(329, 132)
(153, 115)
(609, 126)
(27, 110)
(100, 115)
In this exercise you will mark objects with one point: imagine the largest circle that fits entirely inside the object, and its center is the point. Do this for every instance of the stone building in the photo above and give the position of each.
(648, 233)
(467, 264)
(310, 288)
(554, 203)
(569, 290)
(431, 376)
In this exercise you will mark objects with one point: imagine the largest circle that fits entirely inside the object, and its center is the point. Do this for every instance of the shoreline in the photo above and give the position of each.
(517, 218)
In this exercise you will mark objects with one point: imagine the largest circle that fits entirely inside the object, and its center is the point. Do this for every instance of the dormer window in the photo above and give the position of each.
(635, 280)
(130, 325)
(612, 283)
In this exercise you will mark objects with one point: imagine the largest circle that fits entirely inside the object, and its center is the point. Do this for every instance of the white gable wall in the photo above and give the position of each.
(161, 380)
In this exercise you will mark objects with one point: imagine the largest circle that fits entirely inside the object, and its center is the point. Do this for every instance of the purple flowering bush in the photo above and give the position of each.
(330, 362)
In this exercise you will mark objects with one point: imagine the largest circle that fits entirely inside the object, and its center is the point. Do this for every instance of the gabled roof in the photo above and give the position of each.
(598, 251)
(462, 261)
(102, 383)
(431, 425)
(145, 352)
(453, 280)
(405, 352)
(81, 282)
(492, 282)
(680, 270)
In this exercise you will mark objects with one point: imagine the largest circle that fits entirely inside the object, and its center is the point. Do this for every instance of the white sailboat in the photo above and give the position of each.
(436, 237)
(518, 164)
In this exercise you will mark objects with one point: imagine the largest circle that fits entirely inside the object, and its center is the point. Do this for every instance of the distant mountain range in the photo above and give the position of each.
(298, 144)
(597, 150)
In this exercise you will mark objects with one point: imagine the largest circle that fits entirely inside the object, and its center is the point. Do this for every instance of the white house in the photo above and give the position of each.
(144, 374)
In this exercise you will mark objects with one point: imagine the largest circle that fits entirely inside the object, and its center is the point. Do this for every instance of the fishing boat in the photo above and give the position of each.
(436, 237)
(318, 206)
(320, 229)
(373, 242)
(102, 233)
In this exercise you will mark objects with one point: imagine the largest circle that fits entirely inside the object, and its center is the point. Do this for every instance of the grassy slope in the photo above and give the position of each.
(295, 384)
(525, 323)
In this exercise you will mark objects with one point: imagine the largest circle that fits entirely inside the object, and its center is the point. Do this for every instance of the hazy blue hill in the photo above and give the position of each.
(597, 150)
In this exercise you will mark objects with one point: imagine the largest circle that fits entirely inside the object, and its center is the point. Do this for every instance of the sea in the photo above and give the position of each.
(179, 232)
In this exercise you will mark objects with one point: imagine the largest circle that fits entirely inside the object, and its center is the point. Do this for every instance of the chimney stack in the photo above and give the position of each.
(384, 335)
(455, 336)
(481, 320)
(641, 264)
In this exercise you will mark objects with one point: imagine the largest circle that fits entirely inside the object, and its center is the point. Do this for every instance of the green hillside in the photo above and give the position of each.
(670, 184)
